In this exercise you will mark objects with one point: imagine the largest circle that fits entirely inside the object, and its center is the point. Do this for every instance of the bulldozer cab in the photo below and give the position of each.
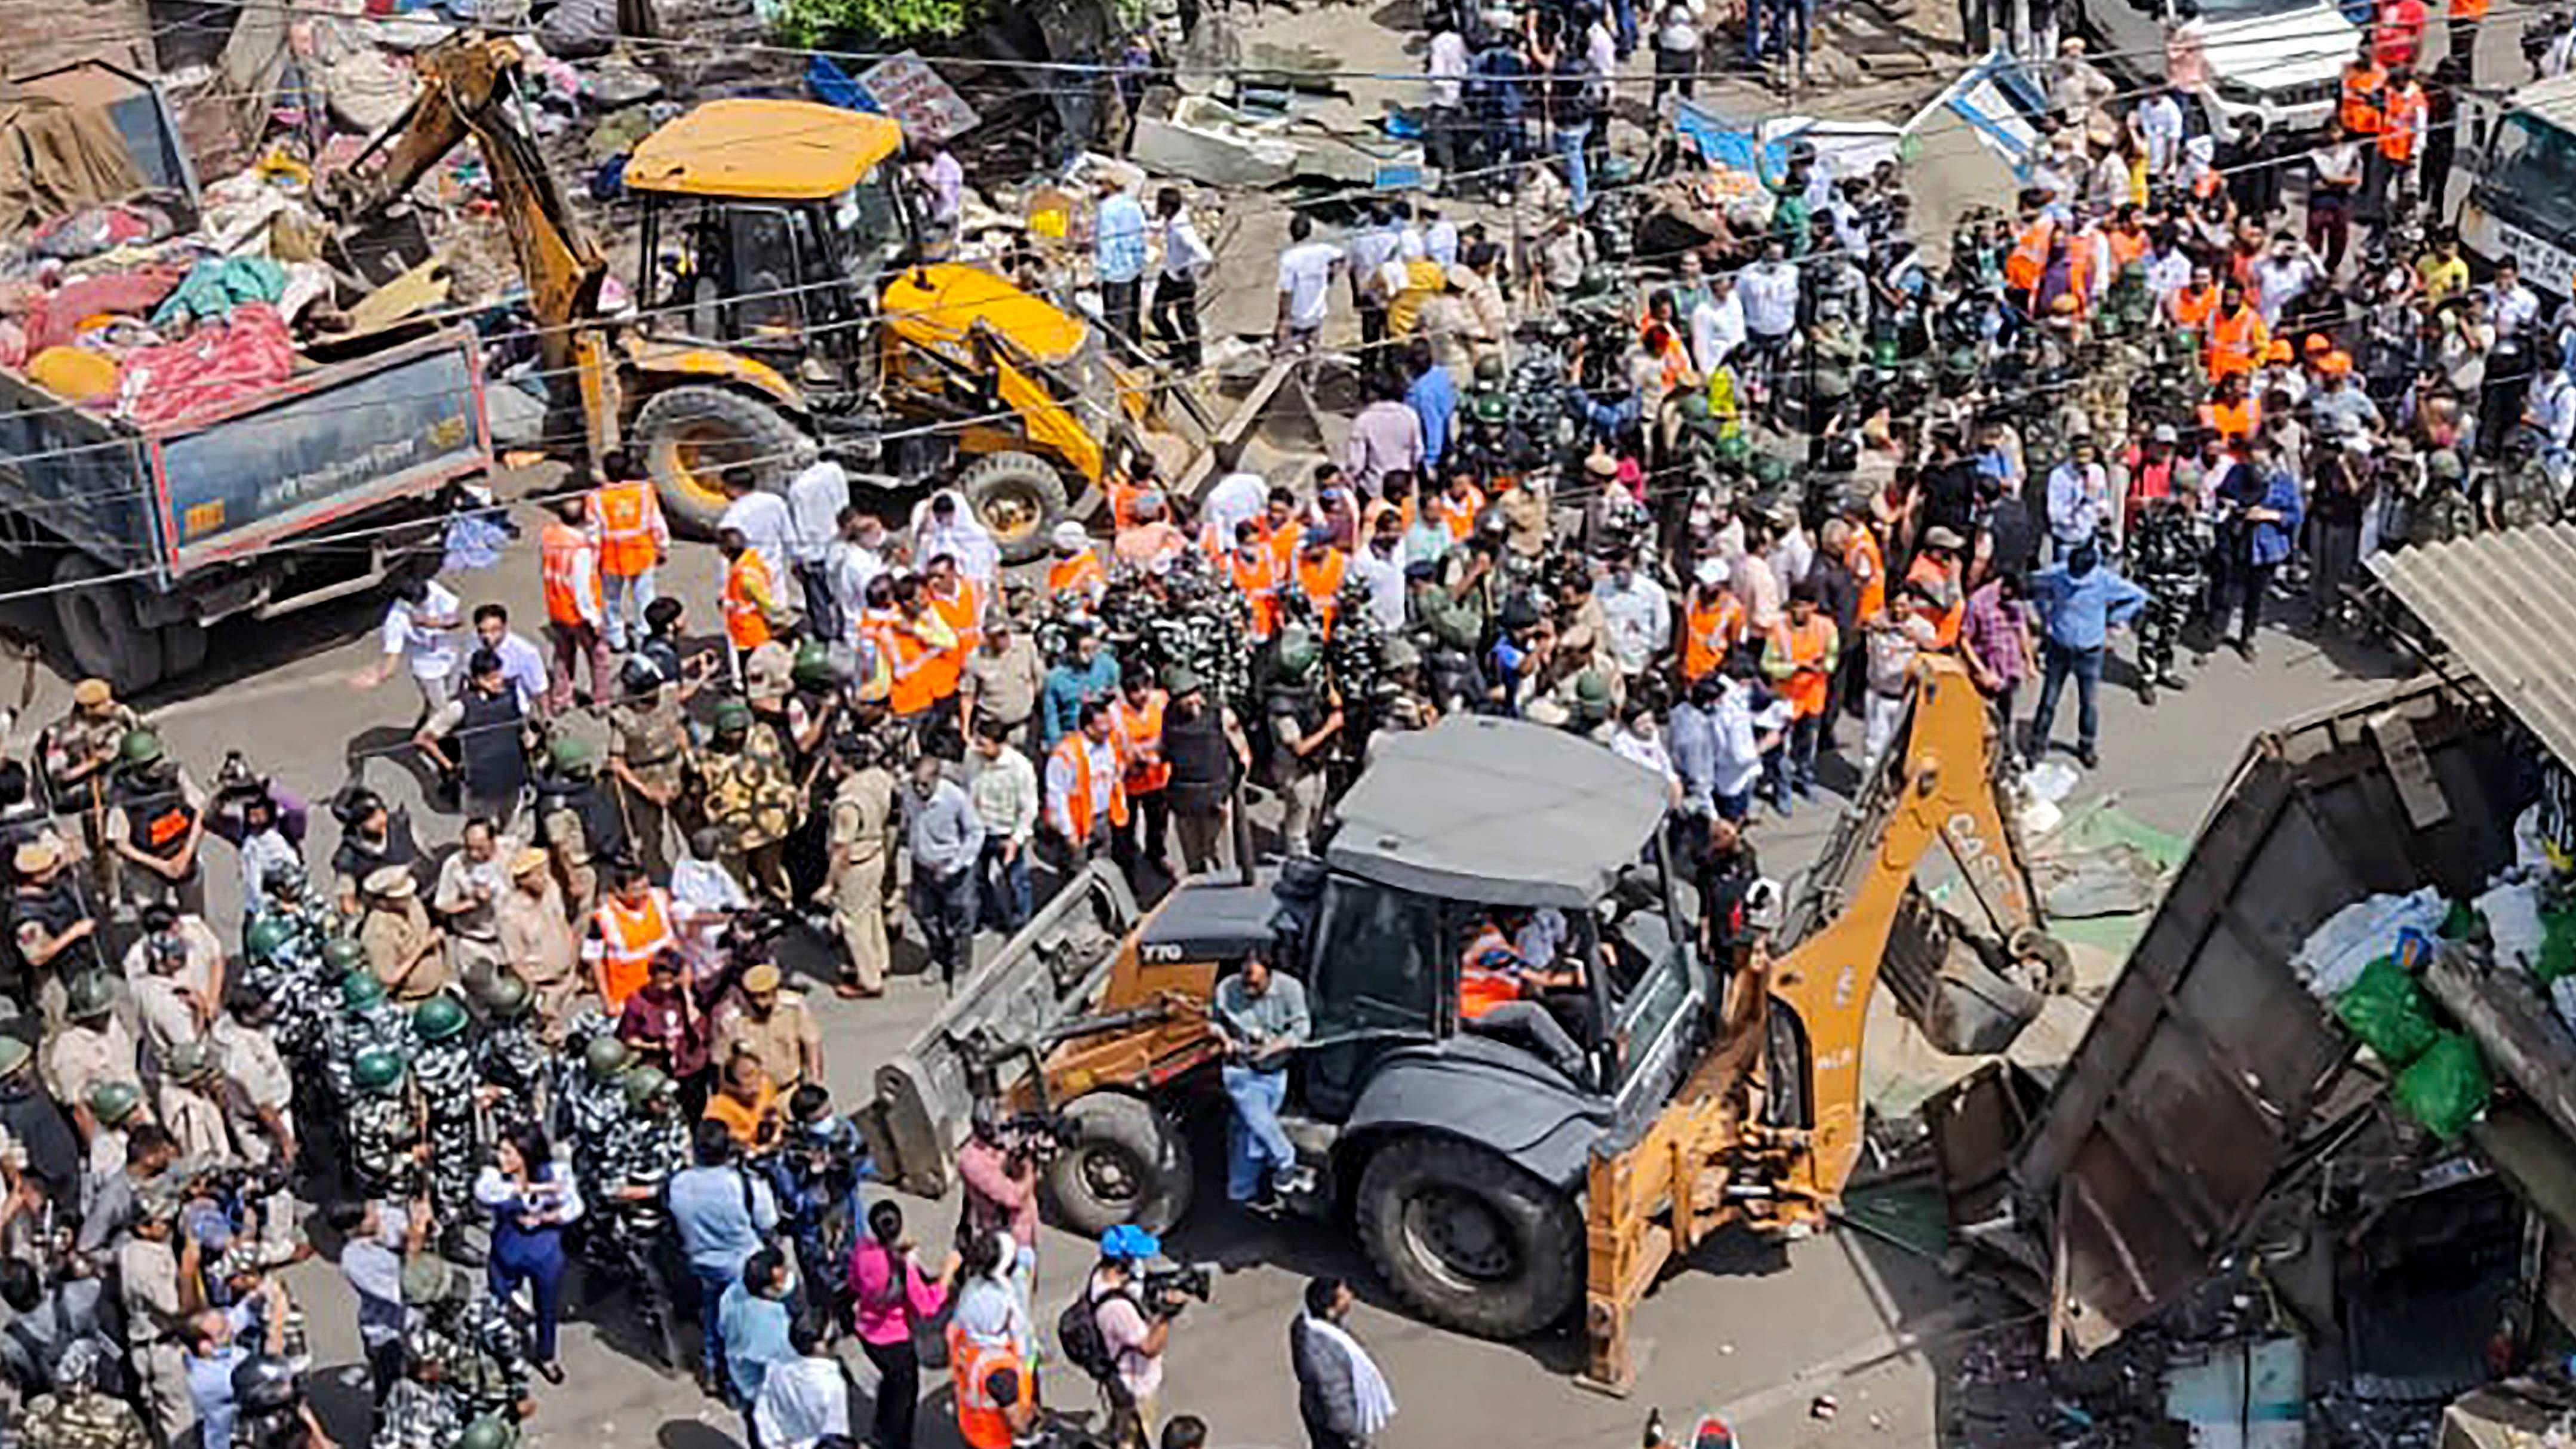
(766, 227)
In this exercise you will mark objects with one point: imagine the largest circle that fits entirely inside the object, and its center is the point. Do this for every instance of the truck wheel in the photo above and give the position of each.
(183, 649)
(97, 616)
(1019, 497)
(1468, 1240)
(693, 438)
(1126, 1165)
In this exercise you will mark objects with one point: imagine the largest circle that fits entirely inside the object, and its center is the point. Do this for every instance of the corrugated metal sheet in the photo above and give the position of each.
(2505, 605)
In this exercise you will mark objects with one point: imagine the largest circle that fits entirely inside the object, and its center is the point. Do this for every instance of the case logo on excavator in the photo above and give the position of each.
(1978, 856)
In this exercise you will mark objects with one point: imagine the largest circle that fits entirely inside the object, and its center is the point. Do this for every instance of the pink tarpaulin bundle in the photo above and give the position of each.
(220, 364)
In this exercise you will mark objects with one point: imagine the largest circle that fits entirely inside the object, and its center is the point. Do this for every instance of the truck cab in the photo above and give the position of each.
(2522, 201)
(2278, 59)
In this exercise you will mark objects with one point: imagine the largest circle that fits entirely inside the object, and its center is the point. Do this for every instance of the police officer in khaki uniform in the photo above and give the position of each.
(78, 750)
(648, 758)
(860, 877)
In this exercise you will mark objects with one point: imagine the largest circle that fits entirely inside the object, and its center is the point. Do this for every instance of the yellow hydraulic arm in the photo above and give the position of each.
(468, 88)
(1736, 1145)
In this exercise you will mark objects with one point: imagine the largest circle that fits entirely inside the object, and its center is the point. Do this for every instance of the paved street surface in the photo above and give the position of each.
(1755, 1332)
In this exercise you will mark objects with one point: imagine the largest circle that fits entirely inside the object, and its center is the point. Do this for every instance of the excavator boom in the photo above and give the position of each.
(468, 91)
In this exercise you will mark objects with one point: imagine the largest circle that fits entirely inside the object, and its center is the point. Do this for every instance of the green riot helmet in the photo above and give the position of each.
(732, 717)
(605, 1057)
(140, 749)
(1493, 408)
(341, 955)
(112, 1104)
(813, 666)
(1882, 353)
(1961, 362)
(429, 1279)
(266, 937)
(1489, 370)
(89, 995)
(360, 990)
(2444, 466)
(505, 996)
(646, 1084)
(1595, 282)
(1770, 472)
(377, 1069)
(568, 757)
(1298, 653)
(1591, 696)
(15, 1054)
(438, 1018)
(1734, 449)
(488, 1432)
(1695, 406)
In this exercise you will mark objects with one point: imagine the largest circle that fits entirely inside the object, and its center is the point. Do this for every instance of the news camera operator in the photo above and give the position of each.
(1000, 1171)
(1117, 1330)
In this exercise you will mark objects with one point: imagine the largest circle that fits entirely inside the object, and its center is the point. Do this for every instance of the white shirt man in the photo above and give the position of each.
(1448, 67)
(1639, 614)
(761, 517)
(2282, 273)
(815, 498)
(1185, 253)
(1717, 326)
(2159, 123)
(1305, 276)
(1383, 574)
(424, 635)
(2512, 306)
(1769, 290)
(1235, 497)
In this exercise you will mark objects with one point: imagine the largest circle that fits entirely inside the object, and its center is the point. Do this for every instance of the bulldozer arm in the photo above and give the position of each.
(996, 1029)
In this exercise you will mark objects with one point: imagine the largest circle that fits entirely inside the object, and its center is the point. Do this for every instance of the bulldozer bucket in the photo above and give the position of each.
(1946, 981)
(995, 1027)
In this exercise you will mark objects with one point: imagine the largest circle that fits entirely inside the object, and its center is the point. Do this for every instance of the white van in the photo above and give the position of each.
(2522, 204)
(2279, 59)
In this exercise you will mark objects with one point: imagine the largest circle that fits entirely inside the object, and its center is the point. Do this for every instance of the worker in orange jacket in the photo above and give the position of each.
(576, 605)
(634, 543)
(2237, 337)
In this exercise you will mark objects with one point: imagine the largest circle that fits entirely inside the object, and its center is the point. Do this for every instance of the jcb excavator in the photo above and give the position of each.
(783, 308)
(1494, 1178)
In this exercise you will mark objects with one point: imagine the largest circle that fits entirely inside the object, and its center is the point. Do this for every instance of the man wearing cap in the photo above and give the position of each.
(74, 1412)
(91, 1047)
(2169, 553)
(51, 1151)
(158, 1288)
(174, 974)
(1134, 1331)
(774, 1026)
(1001, 679)
(537, 939)
(405, 950)
(1076, 576)
(78, 748)
(648, 756)
(471, 882)
(53, 929)
(1935, 570)
(190, 1104)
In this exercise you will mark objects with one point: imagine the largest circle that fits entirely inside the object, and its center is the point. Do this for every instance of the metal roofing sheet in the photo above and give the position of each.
(2505, 605)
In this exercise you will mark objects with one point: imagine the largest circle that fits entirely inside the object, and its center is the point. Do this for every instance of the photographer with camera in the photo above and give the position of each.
(1001, 1179)
(1117, 1330)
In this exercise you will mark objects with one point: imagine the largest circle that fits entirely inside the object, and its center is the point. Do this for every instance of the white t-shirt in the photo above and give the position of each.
(429, 651)
(1236, 497)
(1305, 270)
(1770, 297)
(762, 519)
(815, 498)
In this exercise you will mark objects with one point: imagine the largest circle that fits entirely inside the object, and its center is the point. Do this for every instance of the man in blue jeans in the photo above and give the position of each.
(723, 1215)
(1261, 1021)
(2079, 601)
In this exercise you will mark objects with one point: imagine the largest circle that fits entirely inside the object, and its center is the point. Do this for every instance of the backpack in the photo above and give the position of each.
(1077, 1332)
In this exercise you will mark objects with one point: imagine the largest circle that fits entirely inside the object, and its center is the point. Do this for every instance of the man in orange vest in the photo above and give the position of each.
(1319, 579)
(630, 928)
(1077, 572)
(750, 598)
(1712, 621)
(2403, 135)
(1136, 724)
(959, 603)
(1497, 987)
(634, 542)
(1086, 786)
(923, 659)
(997, 1402)
(1799, 659)
(2237, 337)
(1255, 573)
(576, 607)
(1457, 505)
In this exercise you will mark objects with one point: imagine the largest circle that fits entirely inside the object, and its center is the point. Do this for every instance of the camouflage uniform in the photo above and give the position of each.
(748, 792)
(418, 1415)
(445, 1072)
(85, 1419)
(293, 976)
(513, 1058)
(2523, 495)
(2169, 558)
(384, 1142)
(485, 1353)
(348, 1033)
(645, 1148)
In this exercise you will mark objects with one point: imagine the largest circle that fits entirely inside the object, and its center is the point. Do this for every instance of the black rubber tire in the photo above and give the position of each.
(183, 648)
(97, 618)
(1116, 1133)
(731, 428)
(1019, 498)
(1538, 1231)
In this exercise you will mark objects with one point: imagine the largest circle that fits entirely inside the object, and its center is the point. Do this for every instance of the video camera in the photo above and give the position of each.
(1166, 1288)
(1035, 1137)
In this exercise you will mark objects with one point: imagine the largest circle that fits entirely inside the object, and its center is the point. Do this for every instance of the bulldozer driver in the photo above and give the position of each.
(1501, 980)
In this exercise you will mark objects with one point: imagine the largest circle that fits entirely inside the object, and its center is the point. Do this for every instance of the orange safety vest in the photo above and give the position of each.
(1487, 974)
(2232, 421)
(1805, 648)
(2468, 9)
(877, 627)
(917, 673)
(745, 624)
(2359, 107)
(1868, 565)
(558, 567)
(1072, 749)
(2235, 341)
(2193, 309)
(1258, 582)
(2028, 261)
(630, 523)
(2126, 246)
(963, 613)
(1708, 633)
(1377, 509)
(980, 1420)
(1083, 571)
(1137, 732)
(2405, 112)
(1459, 516)
(1945, 630)
(1322, 586)
(629, 940)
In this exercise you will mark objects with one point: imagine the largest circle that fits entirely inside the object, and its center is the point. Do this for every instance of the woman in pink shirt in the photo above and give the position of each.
(890, 1294)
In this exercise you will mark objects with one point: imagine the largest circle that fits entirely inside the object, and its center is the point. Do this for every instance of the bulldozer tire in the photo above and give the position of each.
(1019, 498)
(183, 648)
(1468, 1240)
(1127, 1164)
(692, 438)
(98, 622)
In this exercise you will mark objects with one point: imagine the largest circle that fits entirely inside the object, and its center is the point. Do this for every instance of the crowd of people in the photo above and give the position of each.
(1706, 502)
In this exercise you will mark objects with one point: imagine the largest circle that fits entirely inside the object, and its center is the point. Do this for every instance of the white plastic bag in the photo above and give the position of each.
(2512, 912)
(2332, 957)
